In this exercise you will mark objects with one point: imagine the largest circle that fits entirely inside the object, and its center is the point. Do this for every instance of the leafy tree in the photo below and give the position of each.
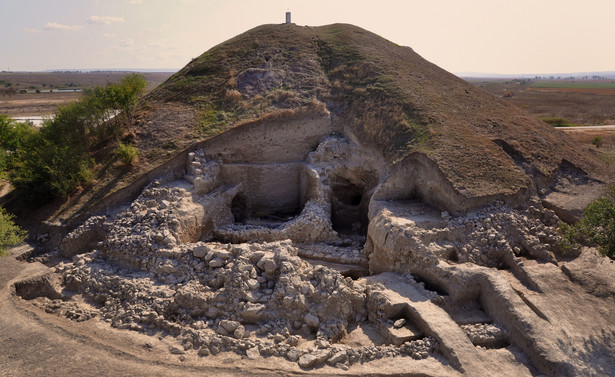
(44, 170)
(597, 226)
(10, 234)
(13, 135)
(114, 104)
(99, 115)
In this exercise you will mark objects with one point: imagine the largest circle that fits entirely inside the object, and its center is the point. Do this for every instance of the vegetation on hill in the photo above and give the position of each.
(59, 157)
(275, 67)
(10, 234)
(558, 122)
(596, 227)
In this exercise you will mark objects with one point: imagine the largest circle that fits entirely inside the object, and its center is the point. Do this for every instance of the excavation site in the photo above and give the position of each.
(332, 204)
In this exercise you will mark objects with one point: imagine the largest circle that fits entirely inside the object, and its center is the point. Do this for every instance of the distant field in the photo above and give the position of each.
(587, 135)
(582, 102)
(70, 80)
(602, 84)
(35, 92)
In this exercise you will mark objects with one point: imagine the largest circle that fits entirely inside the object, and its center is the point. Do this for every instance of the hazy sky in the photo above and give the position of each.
(495, 36)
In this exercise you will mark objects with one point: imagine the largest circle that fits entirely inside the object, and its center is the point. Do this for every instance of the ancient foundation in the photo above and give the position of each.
(326, 257)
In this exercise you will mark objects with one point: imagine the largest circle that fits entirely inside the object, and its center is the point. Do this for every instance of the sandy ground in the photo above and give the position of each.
(25, 105)
(610, 127)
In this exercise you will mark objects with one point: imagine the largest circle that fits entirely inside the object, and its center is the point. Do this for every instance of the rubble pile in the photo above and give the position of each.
(492, 236)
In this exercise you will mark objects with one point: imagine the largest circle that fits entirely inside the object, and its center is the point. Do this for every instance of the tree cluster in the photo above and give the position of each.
(56, 159)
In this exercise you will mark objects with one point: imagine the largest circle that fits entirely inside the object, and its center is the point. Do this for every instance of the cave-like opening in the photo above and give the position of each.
(349, 205)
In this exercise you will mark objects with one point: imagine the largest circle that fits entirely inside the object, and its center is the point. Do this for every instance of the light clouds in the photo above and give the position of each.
(469, 35)
(128, 42)
(104, 20)
(92, 20)
(57, 26)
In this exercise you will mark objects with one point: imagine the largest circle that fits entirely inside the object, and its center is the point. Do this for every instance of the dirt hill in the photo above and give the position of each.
(384, 96)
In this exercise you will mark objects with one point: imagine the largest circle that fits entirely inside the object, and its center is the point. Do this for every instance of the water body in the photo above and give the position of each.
(36, 120)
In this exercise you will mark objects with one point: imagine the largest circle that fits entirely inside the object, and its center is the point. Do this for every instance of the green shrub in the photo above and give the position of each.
(127, 154)
(10, 234)
(3, 165)
(44, 170)
(596, 227)
(13, 137)
(597, 141)
(558, 122)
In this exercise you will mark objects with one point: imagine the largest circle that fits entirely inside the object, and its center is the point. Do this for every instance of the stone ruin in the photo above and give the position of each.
(294, 259)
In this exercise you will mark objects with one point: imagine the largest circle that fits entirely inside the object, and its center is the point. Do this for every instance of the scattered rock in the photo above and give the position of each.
(175, 350)
(311, 320)
(313, 359)
(399, 323)
(293, 354)
(340, 357)
(253, 353)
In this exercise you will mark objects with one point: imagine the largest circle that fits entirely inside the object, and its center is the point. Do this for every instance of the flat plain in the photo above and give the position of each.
(587, 102)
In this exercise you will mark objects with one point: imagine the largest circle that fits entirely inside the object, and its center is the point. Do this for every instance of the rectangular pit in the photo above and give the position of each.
(271, 189)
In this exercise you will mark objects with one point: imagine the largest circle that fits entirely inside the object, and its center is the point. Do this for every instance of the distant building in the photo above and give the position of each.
(288, 17)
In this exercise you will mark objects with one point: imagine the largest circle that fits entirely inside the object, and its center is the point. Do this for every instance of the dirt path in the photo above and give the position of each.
(610, 127)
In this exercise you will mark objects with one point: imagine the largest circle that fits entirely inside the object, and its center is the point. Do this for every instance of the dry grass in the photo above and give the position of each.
(606, 151)
(54, 80)
(232, 96)
(388, 95)
(580, 105)
(35, 103)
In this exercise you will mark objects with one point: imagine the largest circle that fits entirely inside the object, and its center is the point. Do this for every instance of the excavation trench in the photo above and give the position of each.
(215, 249)
(270, 194)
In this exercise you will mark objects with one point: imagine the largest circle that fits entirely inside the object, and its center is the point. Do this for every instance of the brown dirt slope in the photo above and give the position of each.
(385, 95)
